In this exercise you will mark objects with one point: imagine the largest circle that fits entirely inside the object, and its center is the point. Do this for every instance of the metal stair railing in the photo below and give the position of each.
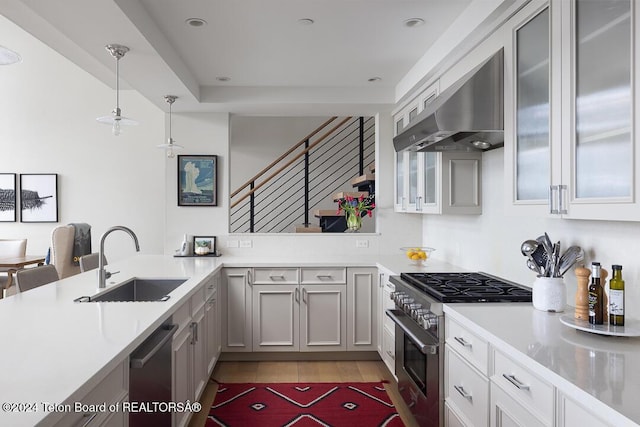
(305, 182)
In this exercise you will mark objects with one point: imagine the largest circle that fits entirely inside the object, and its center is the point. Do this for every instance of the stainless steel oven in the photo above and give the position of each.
(419, 331)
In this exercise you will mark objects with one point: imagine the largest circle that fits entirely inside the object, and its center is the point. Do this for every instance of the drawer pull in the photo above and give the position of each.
(87, 419)
(391, 355)
(516, 382)
(462, 392)
(463, 342)
(324, 276)
(276, 276)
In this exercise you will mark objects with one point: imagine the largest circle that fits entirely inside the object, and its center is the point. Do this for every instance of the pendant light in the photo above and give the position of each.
(115, 119)
(8, 57)
(170, 146)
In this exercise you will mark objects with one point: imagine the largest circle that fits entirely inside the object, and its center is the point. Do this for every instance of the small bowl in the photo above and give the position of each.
(417, 255)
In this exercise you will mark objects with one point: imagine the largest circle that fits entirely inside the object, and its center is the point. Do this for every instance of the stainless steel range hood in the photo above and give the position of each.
(467, 116)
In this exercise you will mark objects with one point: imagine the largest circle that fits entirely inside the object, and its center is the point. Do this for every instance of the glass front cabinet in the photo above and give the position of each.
(569, 113)
(435, 183)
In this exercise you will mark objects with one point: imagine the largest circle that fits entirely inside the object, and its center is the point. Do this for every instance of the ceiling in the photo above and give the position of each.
(275, 64)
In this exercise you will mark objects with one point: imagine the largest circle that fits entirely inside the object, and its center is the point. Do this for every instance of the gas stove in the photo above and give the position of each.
(467, 287)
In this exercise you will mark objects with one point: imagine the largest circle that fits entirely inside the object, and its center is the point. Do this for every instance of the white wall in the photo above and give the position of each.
(491, 242)
(48, 109)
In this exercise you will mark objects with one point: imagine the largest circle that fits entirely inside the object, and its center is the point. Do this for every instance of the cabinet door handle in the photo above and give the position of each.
(380, 282)
(419, 203)
(552, 190)
(562, 194)
(463, 342)
(194, 333)
(516, 382)
(249, 278)
(404, 203)
(462, 391)
(297, 295)
(304, 295)
(86, 419)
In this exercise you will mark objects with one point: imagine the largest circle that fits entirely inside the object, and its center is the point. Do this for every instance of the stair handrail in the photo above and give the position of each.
(283, 155)
(286, 165)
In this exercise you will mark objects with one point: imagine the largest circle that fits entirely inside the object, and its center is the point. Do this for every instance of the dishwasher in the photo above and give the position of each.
(150, 378)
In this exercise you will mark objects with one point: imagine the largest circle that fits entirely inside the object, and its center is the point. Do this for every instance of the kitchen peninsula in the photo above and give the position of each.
(62, 349)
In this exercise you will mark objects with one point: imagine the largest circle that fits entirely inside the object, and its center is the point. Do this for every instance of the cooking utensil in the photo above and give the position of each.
(534, 267)
(528, 247)
(572, 255)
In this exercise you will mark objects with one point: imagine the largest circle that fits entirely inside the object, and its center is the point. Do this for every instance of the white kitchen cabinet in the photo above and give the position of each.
(572, 413)
(527, 392)
(299, 309)
(112, 389)
(189, 353)
(507, 412)
(569, 122)
(362, 298)
(323, 317)
(386, 327)
(236, 310)
(276, 313)
(466, 382)
(212, 323)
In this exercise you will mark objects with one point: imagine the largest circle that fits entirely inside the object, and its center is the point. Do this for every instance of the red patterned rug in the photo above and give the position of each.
(303, 404)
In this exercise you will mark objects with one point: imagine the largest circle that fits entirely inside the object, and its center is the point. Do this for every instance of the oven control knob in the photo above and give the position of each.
(418, 313)
(411, 307)
(404, 302)
(397, 296)
(429, 320)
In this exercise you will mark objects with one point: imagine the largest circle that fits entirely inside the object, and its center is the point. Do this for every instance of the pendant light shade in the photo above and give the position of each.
(170, 146)
(116, 120)
(8, 57)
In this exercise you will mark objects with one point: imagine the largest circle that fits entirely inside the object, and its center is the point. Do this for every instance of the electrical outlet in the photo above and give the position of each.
(362, 243)
(246, 243)
(233, 244)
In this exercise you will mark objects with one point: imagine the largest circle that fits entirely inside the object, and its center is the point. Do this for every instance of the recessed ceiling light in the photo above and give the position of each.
(413, 22)
(223, 79)
(196, 22)
(306, 21)
(374, 79)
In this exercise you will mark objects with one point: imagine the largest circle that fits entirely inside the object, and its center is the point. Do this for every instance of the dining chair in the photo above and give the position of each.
(10, 248)
(89, 262)
(62, 238)
(29, 278)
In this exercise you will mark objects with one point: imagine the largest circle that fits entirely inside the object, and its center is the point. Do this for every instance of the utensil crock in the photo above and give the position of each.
(549, 294)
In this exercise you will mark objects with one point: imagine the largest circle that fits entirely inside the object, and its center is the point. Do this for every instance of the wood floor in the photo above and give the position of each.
(299, 371)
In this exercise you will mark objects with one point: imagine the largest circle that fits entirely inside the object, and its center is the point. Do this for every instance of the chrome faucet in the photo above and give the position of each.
(102, 274)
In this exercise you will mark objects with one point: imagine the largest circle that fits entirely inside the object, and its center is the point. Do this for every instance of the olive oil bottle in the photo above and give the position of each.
(596, 295)
(616, 297)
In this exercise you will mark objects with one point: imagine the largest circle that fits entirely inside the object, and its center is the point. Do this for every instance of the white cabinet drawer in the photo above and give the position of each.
(269, 276)
(524, 386)
(473, 348)
(506, 411)
(198, 299)
(466, 389)
(311, 276)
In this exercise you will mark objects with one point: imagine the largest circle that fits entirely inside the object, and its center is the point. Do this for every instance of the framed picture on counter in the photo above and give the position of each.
(39, 197)
(204, 245)
(8, 197)
(197, 180)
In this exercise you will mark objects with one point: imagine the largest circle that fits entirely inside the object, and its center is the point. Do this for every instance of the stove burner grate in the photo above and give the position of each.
(467, 287)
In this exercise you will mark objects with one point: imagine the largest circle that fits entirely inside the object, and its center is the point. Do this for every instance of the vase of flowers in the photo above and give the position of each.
(355, 209)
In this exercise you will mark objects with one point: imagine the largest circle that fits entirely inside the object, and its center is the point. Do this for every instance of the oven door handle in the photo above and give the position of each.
(414, 332)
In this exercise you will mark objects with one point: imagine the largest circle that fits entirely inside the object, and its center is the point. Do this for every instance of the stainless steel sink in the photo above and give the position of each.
(137, 289)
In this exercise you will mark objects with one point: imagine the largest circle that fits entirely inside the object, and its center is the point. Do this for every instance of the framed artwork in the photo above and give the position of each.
(39, 197)
(204, 245)
(8, 197)
(197, 180)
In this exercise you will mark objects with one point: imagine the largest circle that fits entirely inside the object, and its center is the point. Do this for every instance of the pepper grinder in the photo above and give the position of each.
(582, 293)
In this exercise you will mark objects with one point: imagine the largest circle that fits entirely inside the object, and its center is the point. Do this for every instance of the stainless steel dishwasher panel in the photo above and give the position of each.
(150, 378)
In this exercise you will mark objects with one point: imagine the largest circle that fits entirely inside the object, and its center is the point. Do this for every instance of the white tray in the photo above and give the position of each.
(631, 327)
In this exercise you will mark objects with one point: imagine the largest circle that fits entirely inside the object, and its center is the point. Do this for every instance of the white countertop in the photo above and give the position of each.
(594, 370)
(56, 350)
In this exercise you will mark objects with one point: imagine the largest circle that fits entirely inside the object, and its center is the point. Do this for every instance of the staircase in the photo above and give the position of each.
(306, 180)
